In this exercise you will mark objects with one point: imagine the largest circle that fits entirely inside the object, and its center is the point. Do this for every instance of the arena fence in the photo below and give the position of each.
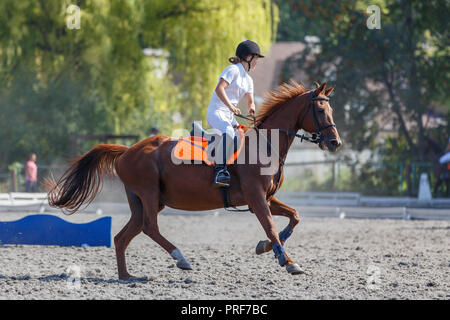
(368, 178)
(352, 205)
(321, 204)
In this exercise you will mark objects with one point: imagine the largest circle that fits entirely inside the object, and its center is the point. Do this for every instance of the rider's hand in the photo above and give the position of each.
(235, 110)
(251, 111)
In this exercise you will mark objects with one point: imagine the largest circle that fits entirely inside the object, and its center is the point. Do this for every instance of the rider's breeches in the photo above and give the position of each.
(225, 123)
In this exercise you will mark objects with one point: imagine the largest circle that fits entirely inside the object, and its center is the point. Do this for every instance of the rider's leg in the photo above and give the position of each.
(225, 151)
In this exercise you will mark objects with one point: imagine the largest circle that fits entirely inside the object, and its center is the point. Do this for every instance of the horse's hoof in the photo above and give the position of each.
(184, 265)
(125, 276)
(294, 268)
(262, 247)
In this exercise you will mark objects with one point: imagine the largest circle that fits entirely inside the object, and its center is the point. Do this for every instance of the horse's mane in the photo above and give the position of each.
(277, 96)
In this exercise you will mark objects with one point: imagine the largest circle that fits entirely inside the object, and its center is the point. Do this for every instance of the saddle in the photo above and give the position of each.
(200, 145)
(196, 147)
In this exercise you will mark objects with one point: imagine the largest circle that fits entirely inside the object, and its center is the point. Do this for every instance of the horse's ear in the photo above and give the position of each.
(329, 90)
(320, 89)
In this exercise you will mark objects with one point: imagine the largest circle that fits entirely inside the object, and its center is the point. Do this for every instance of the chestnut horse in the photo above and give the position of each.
(152, 181)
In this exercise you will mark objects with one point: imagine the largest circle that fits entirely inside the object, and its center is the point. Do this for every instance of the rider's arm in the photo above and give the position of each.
(220, 91)
(250, 103)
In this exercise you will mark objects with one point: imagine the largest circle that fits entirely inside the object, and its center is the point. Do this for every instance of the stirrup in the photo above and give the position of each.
(222, 178)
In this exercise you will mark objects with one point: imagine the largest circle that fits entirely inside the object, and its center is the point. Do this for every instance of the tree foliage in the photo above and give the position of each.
(56, 82)
(398, 72)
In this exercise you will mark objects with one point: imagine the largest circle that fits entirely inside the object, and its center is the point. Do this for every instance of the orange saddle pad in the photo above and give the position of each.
(196, 148)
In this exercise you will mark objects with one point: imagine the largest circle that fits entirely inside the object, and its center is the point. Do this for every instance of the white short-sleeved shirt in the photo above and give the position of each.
(240, 83)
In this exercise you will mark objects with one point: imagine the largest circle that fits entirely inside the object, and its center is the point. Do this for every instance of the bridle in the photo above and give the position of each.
(317, 135)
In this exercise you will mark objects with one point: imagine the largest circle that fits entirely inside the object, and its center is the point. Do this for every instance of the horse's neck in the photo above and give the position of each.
(285, 118)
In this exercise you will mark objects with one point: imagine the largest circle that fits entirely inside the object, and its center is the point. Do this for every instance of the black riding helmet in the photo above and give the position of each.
(246, 48)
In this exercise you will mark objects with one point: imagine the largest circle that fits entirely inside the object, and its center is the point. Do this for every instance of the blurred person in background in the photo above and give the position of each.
(31, 174)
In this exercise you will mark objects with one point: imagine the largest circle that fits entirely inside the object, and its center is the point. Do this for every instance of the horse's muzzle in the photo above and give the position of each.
(330, 144)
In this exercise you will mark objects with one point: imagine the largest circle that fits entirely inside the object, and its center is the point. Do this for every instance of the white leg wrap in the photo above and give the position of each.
(182, 263)
(177, 255)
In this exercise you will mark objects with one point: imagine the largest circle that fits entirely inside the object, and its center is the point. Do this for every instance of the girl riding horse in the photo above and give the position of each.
(234, 83)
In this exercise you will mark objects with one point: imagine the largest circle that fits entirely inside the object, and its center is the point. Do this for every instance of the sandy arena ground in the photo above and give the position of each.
(343, 259)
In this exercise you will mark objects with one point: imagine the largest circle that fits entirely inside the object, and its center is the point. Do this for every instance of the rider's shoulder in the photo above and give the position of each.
(230, 71)
(232, 67)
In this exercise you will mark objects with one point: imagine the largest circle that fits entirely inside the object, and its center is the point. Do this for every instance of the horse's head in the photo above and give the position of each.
(318, 118)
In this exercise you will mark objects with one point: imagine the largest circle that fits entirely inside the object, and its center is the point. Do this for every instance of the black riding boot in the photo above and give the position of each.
(221, 174)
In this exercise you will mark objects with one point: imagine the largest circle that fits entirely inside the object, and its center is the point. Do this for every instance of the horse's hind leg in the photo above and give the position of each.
(278, 208)
(131, 229)
(150, 228)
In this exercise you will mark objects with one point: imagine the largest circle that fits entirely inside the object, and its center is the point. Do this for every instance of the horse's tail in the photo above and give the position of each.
(83, 180)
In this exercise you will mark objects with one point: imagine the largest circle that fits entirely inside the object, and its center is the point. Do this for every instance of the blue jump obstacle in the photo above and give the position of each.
(43, 229)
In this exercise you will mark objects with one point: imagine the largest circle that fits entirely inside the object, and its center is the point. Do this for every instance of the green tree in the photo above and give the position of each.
(400, 70)
(56, 82)
(201, 35)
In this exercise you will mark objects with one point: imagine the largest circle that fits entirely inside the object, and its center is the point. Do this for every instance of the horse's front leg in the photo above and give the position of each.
(262, 211)
(278, 208)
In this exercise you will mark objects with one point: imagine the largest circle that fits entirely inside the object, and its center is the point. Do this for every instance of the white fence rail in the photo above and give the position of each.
(375, 212)
(321, 198)
(355, 199)
(320, 204)
(21, 201)
(37, 202)
(352, 205)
